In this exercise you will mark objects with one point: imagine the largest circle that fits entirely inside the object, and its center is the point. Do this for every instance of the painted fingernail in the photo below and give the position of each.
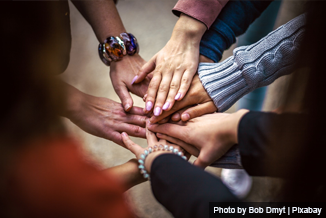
(166, 106)
(134, 79)
(185, 117)
(177, 96)
(127, 106)
(157, 111)
(149, 105)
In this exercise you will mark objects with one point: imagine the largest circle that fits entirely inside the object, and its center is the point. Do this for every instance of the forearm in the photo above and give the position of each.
(268, 142)
(233, 21)
(102, 16)
(171, 174)
(128, 174)
(204, 11)
(190, 27)
(253, 66)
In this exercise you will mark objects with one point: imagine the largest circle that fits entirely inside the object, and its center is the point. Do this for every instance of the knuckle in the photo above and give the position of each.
(185, 80)
(163, 88)
(174, 85)
(136, 129)
(152, 85)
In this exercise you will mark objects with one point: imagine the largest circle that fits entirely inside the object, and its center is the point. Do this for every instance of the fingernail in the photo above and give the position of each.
(124, 134)
(134, 79)
(149, 105)
(127, 106)
(149, 123)
(166, 106)
(185, 117)
(157, 111)
(144, 98)
(177, 96)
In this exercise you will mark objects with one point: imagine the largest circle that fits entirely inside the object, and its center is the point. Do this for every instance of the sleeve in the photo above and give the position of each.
(253, 66)
(233, 21)
(184, 189)
(265, 141)
(205, 11)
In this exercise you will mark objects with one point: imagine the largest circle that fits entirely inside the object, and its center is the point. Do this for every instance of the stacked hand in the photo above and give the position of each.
(122, 73)
(209, 137)
(173, 67)
(152, 140)
(103, 117)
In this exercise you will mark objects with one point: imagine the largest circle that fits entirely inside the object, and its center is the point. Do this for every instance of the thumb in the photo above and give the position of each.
(124, 96)
(146, 69)
(204, 159)
(130, 145)
(199, 110)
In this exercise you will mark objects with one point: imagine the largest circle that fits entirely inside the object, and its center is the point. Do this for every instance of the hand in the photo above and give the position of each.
(103, 117)
(213, 134)
(174, 66)
(151, 142)
(196, 95)
(122, 74)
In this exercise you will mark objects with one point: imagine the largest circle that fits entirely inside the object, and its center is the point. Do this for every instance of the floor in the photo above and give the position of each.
(151, 21)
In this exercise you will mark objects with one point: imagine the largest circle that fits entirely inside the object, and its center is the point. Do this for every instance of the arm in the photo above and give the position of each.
(170, 174)
(267, 142)
(253, 66)
(233, 21)
(102, 117)
(205, 11)
(127, 174)
(105, 21)
(198, 187)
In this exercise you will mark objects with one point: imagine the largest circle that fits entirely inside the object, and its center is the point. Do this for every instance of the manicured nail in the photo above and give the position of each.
(177, 96)
(166, 106)
(134, 79)
(149, 105)
(127, 106)
(157, 111)
(185, 117)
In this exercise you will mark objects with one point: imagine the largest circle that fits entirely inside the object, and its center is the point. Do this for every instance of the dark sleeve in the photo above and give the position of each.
(233, 21)
(267, 142)
(184, 189)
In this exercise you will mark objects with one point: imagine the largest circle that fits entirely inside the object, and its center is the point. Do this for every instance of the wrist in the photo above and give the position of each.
(205, 59)
(151, 157)
(236, 120)
(74, 99)
(189, 29)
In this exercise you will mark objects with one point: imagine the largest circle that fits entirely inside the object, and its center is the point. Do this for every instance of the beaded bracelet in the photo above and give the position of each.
(143, 156)
(114, 48)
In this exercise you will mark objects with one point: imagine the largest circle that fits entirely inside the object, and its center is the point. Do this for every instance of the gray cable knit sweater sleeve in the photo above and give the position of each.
(253, 66)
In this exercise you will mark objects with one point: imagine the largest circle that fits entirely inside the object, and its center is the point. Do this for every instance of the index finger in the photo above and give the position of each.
(174, 130)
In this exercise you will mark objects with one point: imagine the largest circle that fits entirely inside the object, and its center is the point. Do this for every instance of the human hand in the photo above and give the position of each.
(122, 74)
(174, 66)
(213, 134)
(151, 142)
(197, 96)
(103, 117)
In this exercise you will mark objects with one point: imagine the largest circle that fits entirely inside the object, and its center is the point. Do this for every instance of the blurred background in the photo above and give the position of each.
(152, 22)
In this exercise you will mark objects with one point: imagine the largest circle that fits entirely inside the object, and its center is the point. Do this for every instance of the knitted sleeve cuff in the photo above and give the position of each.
(253, 66)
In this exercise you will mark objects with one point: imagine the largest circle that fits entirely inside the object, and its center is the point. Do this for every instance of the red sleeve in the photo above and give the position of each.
(205, 11)
(53, 178)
